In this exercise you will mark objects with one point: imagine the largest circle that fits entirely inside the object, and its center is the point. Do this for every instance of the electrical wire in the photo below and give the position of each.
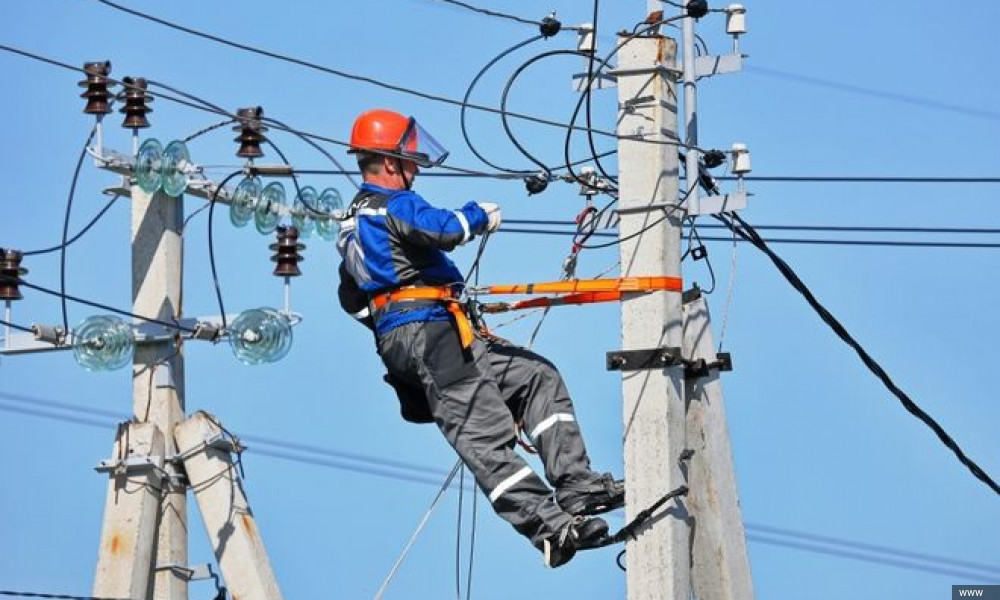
(420, 527)
(295, 180)
(506, 91)
(205, 130)
(860, 179)
(354, 77)
(119, 311)
(730, 290)
(53, 596)
(16, 326)
(747, 232)
(211, 243)
(108, 418)
(65, 229)
(593, 75)
(320, 149)
(78, 234)
(501, 15)
(802, 241)
(468, 93)
(667, 213)
(836, 228)
(588, 91)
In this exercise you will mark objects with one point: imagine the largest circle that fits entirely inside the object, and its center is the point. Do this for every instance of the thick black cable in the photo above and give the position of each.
(747, 232)
(319, 148)
(119, 311)
(108, 418)
(593, 75)
(191, 97)
(78, 234)
(589, 91)
(65, 229)
(468, 93)
(211, 244)
(506, 91)
(343, 74)
(16, 326)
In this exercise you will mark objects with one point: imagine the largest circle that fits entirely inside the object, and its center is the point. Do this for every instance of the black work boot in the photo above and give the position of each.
(579, 534)
(594, 497)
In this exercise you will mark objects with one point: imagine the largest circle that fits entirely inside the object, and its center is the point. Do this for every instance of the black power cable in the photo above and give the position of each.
(65, 229)
(493, 13)
(211, 243)
(16, 326)
(119, 311)
(468, 93)
(53, 596)
(506, 91)
(745, 231)
(78, 234)
(318, 148)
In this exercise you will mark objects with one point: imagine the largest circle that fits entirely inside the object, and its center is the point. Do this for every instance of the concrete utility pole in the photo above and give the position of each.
(650, 234)
(157, 401)
(720, 569)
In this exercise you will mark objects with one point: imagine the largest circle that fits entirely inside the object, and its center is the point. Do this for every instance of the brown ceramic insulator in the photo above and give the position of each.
(286, 256)
(251, 132)
(136, 103)
(10, 273)
(97, 94)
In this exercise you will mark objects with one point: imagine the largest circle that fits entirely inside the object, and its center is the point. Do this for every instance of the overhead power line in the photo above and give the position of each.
(801, 241)
(860, 179)
(398, 470)
(500, 15)
(365, 79)
(837, 228)
(872, 92)
(747, 232)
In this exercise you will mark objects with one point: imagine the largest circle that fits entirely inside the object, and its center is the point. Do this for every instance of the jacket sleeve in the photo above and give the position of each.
(421, 224)
(353, 299)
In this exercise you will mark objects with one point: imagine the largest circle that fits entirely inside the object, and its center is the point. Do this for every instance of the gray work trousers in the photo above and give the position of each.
(475, 396)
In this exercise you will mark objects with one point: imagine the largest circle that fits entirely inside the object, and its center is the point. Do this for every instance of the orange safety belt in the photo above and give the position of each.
(443, 294)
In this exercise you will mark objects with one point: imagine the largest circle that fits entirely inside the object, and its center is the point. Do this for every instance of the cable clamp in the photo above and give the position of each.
(219, 441)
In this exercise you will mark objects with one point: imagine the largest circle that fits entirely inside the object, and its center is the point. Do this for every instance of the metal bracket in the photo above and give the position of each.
(189, 573)
(713, 205)
(133, 464)
(641, 360)
(218, 441)
(706, 66)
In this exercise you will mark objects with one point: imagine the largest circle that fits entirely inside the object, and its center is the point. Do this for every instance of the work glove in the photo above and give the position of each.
(493, 214)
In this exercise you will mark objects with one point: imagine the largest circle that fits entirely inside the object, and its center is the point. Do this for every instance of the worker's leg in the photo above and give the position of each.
(469, 410)
(536, 394)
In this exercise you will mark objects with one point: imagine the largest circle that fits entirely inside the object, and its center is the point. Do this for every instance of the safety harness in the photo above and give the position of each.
(578, 291)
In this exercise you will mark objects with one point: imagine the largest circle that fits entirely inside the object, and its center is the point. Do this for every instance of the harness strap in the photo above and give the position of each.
(444, 294)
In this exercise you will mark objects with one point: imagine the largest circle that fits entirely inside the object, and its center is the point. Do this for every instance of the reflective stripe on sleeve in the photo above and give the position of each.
(549, 422)
(506, 484)
(362, 314)
(466, 234)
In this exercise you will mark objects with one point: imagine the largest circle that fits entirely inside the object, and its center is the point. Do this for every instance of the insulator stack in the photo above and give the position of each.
(286, 253)
(97, 94)
(10, 273)
(251, 132)
(136, 99)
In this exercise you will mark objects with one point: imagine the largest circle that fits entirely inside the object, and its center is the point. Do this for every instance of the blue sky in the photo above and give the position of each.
(820, 447)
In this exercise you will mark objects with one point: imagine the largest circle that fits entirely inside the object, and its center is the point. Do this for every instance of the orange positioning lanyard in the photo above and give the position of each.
(442, 294)
(620, 284)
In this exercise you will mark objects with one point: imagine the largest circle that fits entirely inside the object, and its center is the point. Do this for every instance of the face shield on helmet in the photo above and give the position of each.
(390, 133)
(418, 145)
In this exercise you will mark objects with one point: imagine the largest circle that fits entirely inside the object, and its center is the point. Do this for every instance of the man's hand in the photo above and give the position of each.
(493, 213)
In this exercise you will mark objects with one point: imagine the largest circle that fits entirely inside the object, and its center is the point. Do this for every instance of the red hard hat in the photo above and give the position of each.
(378, 129)
(389, 132)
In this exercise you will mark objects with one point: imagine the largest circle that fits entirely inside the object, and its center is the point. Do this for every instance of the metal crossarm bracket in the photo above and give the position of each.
(640, 360)
(133, 464)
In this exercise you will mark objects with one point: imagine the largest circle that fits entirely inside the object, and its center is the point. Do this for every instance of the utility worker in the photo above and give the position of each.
(397, 279)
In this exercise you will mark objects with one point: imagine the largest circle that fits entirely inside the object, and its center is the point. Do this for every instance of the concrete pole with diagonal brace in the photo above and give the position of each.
(658, 559)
